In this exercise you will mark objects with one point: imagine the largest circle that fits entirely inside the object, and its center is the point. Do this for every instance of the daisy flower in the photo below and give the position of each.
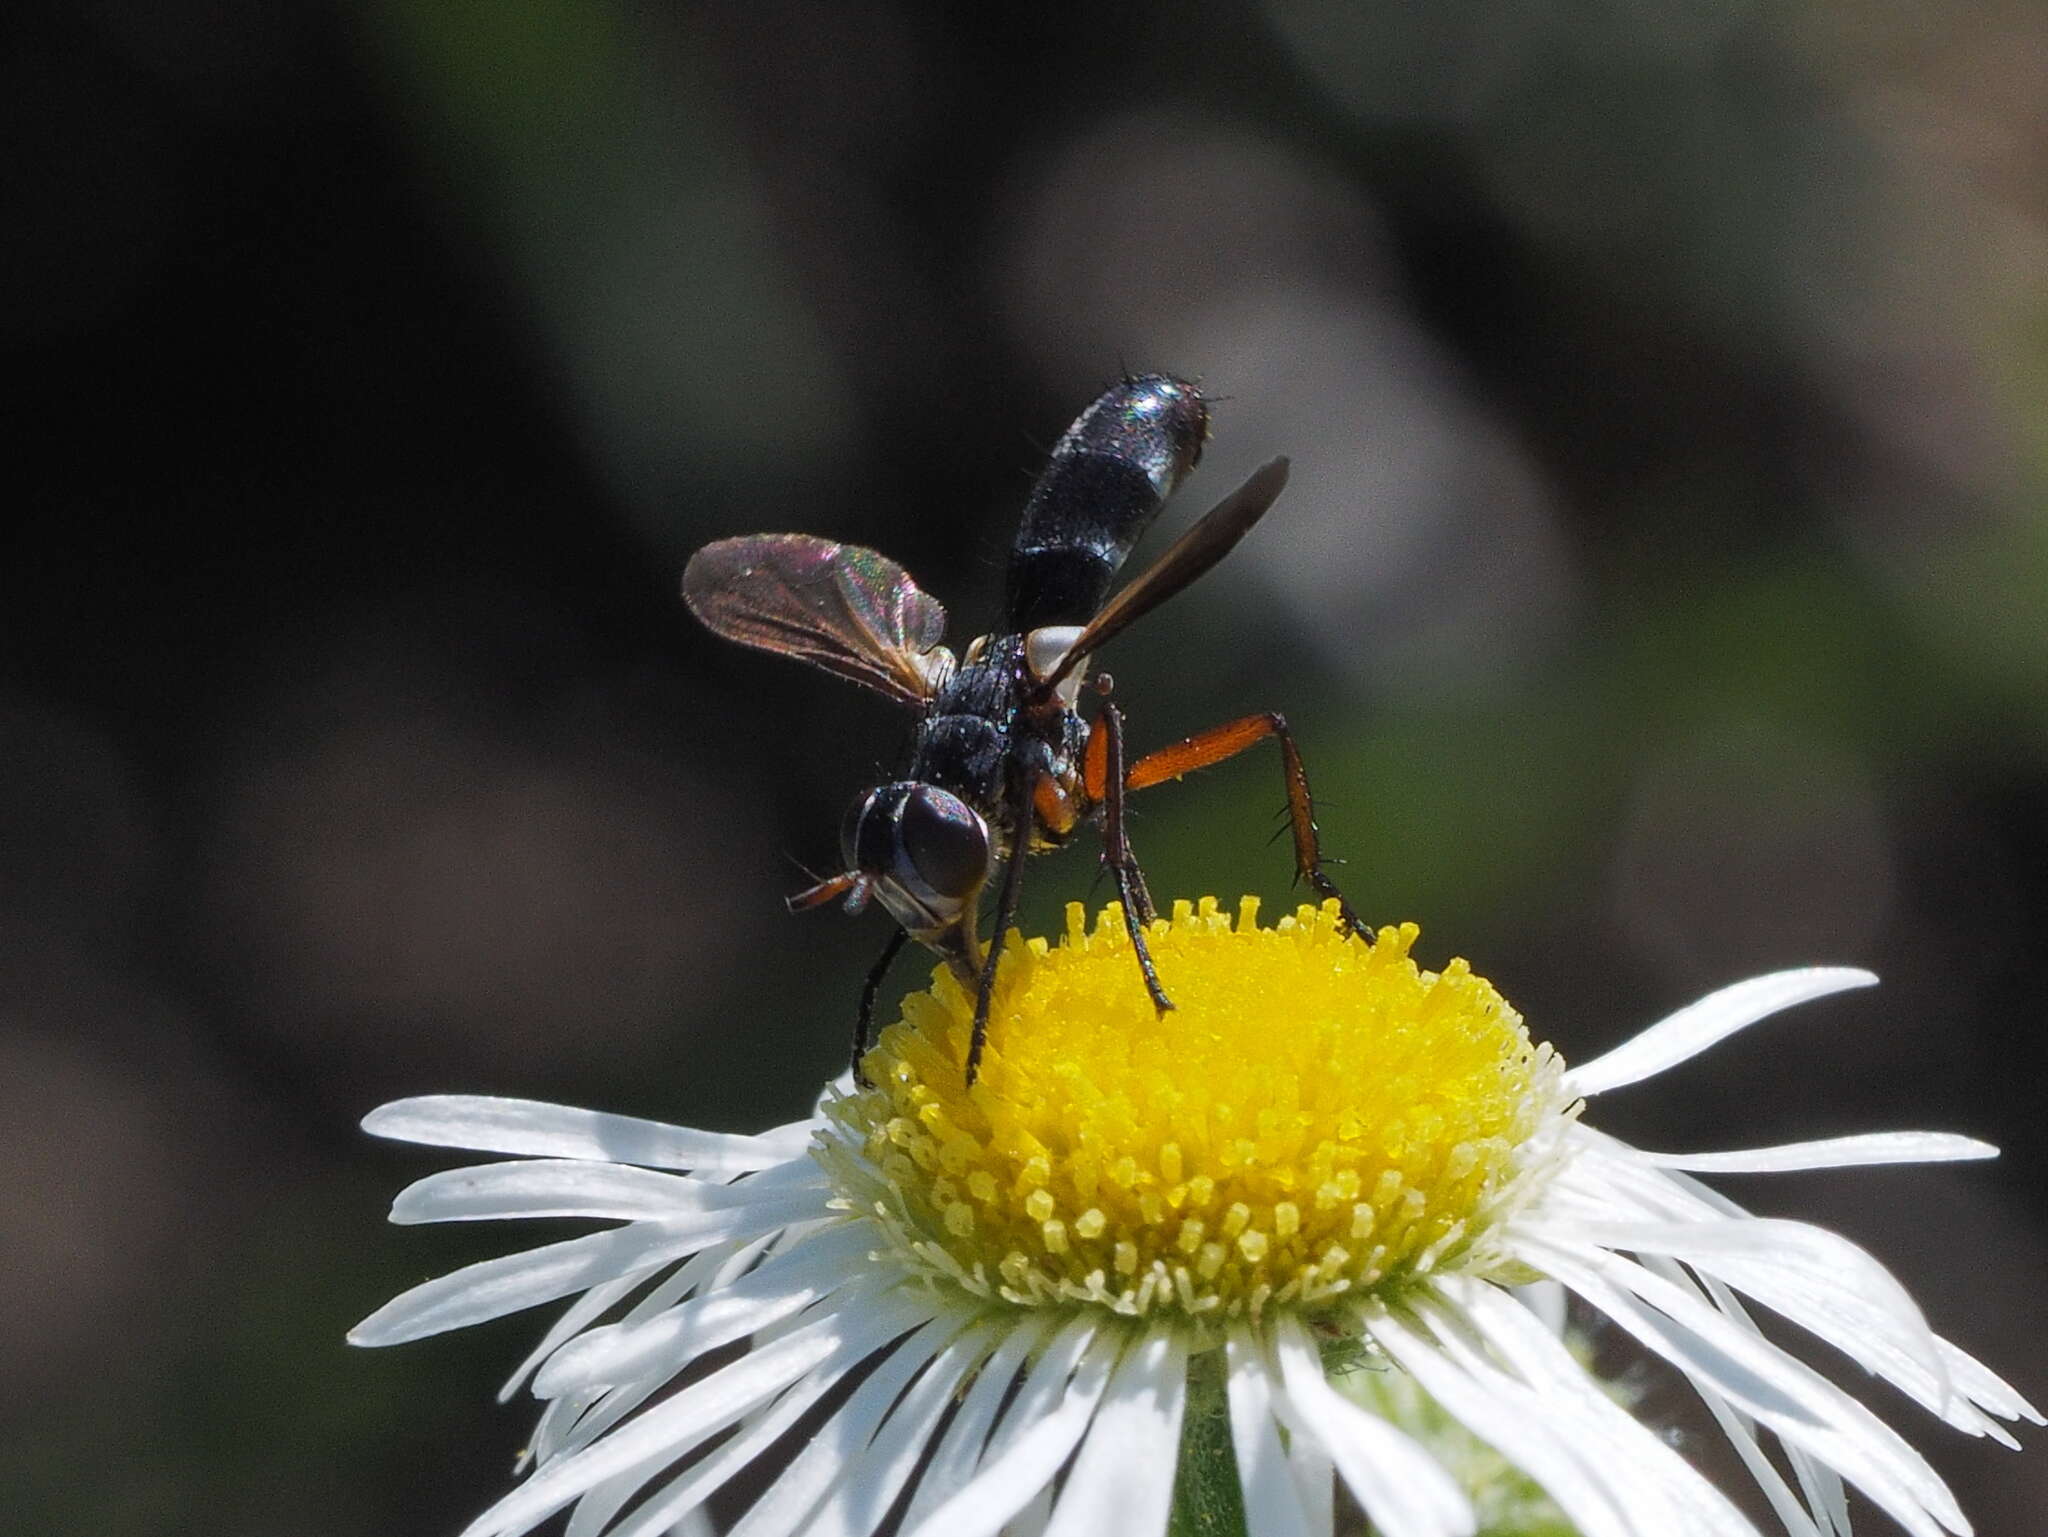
(954, 1312)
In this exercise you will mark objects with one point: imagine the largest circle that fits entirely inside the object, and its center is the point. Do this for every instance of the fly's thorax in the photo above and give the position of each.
(987, 681)
(962, 752)
(964, 737)
(989, 732)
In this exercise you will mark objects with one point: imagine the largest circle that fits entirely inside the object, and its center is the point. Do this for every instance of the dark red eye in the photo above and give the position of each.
(943, 840)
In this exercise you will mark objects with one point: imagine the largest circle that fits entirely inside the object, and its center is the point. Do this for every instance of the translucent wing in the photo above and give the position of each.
(836, 606)
(1188, 557)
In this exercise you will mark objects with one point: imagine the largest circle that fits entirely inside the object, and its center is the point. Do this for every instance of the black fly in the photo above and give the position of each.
(1003, 763)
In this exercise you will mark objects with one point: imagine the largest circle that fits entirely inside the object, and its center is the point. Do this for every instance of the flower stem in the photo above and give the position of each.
(1207, 1501)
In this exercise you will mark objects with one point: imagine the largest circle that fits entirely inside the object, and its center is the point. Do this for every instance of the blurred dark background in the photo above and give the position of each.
(1660, 599)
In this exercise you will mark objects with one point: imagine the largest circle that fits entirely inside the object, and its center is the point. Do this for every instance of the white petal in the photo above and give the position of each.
(869, 1481)
(595, 1511)
(1982, 1386)
(1122, 1481)
(682, 1422)
(784, 1285)
(1822, 1486)
(1548, 1302)
(1606, 1178)
(1816, 1278)
(1272, 1505)
(1819, 1485)
(1044, 1382)
(1714, 1018)
(709, 1474)
(1033, 1519)
(1315, 1478)
(575, 1318)
(1955, 1407)
(1603, 1178)
(1404, 1491)
(573, 1422)
(1050, 1414)
(1879, 1147)
(961, 1448)
(557, 1423)
(1783, 1502)
(566, 1187)
(1569, 1472)
(597, 1411)
(492, 1288)
(791, 1502)
(692, 1275)
(530, 1127)
(1762, 1381)
(1535, 1356)
(619, 1356)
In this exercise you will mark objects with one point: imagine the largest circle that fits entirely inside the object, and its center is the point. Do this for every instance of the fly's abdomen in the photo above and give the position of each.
(1109, 476)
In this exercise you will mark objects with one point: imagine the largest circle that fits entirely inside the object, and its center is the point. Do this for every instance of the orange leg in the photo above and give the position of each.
(1227, 741)
(828, 890)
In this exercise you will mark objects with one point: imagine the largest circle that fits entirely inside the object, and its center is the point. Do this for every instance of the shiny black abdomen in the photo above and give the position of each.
(1107, 479)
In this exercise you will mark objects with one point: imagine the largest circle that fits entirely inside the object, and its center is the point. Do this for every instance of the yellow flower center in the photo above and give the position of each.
(1315, 1117)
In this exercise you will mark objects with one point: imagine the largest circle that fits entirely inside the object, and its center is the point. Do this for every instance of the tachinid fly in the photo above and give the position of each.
(1003, 762)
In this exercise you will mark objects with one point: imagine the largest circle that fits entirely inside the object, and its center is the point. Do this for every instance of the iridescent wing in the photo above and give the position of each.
(836, 606)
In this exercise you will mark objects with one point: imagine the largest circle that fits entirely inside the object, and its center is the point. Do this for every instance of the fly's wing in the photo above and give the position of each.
(1187, 558)
(836, 606)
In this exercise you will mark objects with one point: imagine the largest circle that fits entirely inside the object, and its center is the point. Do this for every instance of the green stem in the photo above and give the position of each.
(1207, 1501)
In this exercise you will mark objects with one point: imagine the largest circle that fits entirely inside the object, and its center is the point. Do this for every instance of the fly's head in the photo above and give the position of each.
(924, 854)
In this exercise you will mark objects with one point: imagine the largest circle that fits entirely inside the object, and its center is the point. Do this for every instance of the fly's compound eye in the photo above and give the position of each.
(943, 843)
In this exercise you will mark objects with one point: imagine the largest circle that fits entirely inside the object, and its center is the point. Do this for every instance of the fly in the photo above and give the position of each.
(1003, 762)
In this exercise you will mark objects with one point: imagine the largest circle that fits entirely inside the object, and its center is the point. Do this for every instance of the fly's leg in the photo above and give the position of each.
(1102, 771)
(864, 1026)
(1006, 914)
(1227, 741)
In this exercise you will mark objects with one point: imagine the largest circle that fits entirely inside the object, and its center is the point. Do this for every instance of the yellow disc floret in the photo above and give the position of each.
(1316, 1117)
